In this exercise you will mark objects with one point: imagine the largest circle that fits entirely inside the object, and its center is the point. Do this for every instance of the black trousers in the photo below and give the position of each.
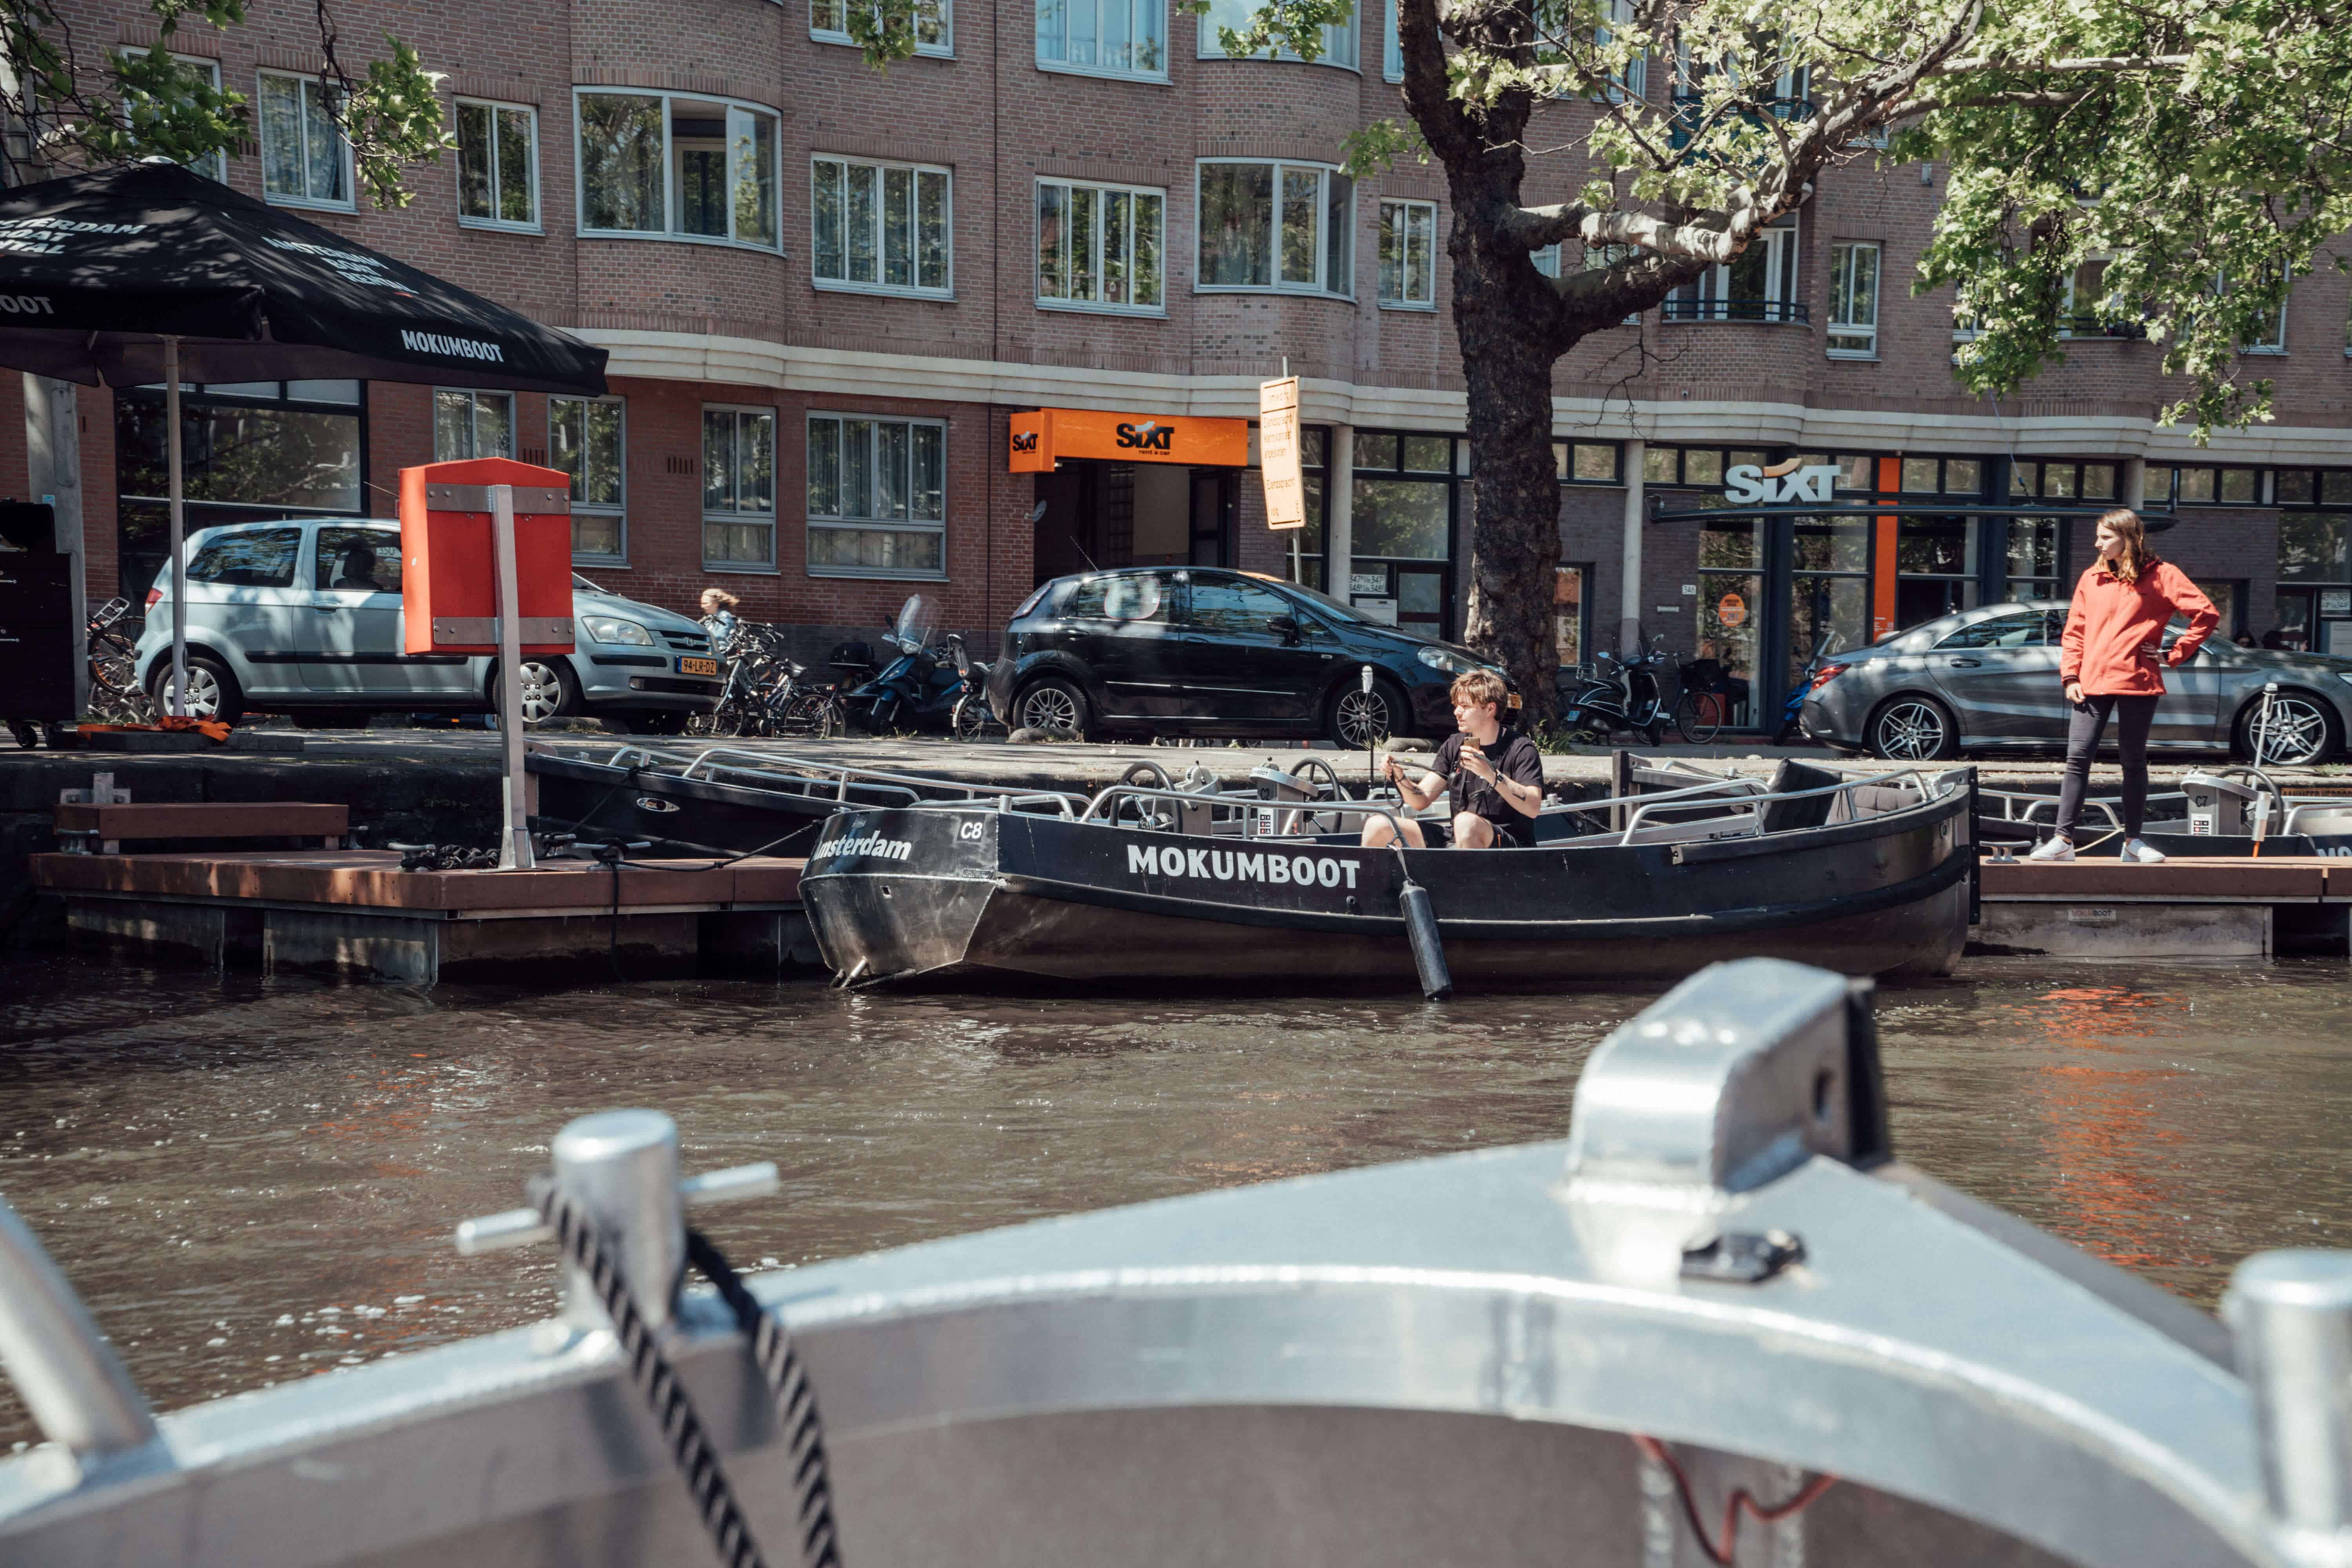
(2133, 717)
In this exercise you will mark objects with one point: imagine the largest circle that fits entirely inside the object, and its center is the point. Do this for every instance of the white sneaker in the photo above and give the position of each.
(2137, 850)
(2053, 848)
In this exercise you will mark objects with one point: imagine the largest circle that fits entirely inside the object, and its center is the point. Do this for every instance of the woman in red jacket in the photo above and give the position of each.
(2115, 631)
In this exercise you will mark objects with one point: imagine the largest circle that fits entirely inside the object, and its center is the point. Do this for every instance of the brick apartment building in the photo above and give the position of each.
(833, 297)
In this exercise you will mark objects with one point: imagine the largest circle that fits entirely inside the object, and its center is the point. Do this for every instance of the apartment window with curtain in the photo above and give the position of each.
(1409, 256)
(586, 440)
(666, 166)
(1275, 225)
(498, 165)
(1338, 38)
(739, 489)
(934, 22)
(1104, 37)
(472, 424)
(305, 161)
(881, 228)
(1854, 301)
(1099, 246)
(1760, 286)
(877, 497)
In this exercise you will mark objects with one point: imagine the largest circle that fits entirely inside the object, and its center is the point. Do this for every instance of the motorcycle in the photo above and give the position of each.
(1621, 694)
(916, 690)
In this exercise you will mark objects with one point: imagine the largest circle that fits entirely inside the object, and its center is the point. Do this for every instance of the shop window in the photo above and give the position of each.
(1303, 547)
(933, 20)
(1661, 465)
(1275, 225)
(1338, 38)
(2292, 487)
(2336, 489)
(1099, 246)
(586, 440)
(1936, 567)
(1759, 284)
(877, 497)
(472, 424)
(1107, 38)
(498, 165)
(739, 489)
(2195, 486)
(1922, 476)
(2241, 487)
(881, 228)
(305, 161)
(2097, 482)
(1403, 496)
(2313, 549)
(1587, 462)
(1854, 301)
(2032, 565)
(682, 168)
(1702, 467)
(1409, 256)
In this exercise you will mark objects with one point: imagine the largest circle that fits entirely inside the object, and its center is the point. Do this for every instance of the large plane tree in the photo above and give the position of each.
(2196, 151)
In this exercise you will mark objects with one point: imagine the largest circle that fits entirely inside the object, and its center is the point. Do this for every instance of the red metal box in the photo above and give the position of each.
(448, 590)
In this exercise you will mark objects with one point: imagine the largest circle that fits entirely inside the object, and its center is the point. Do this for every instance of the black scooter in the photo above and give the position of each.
(917, 691)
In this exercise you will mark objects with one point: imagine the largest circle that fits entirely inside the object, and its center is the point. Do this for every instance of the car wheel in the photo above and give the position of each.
(2300, 729)
(550, 689)
(1359, 719)
(212, 692)
(1054, 703)
(1913, 730)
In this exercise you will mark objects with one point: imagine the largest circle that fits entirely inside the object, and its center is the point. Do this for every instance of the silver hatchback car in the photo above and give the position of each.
(1987, 679)
(302, 617)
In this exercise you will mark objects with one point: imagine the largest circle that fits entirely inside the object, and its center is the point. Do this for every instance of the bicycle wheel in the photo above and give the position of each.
(1698, 717)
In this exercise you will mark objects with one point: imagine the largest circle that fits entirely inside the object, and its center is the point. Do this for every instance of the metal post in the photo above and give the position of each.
(1629, 588)
(622, 1167)
(179, 526)
(2290, 1312)
(514, 832)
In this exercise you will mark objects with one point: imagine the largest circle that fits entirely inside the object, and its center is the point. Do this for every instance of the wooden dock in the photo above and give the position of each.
(356, 912)
(2185, 907)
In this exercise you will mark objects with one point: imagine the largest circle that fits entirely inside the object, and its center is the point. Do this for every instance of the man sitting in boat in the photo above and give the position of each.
(1494, 775)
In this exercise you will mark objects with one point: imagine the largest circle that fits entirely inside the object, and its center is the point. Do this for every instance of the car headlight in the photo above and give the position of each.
(1446, 661)
(612, 630)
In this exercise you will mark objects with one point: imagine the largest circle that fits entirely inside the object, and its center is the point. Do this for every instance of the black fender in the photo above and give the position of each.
(1030, 668)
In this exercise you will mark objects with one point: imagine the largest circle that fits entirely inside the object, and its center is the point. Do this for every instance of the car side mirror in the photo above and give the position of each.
(1284, 627)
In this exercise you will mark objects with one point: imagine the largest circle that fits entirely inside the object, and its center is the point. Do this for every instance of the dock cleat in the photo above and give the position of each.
(2137, 849)
(2055, 849)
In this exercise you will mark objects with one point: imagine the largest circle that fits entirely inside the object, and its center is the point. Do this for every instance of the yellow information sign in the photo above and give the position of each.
(1277, 450)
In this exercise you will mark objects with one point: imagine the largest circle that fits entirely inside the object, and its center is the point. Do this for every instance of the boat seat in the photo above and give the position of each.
(1781, 815)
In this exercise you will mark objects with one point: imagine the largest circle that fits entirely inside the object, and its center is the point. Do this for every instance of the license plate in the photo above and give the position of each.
(697, 665)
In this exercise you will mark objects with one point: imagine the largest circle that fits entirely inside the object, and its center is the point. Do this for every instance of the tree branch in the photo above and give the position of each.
(2103, 63)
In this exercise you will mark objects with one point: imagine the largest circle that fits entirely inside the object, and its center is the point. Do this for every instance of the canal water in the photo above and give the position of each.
(255, 1180)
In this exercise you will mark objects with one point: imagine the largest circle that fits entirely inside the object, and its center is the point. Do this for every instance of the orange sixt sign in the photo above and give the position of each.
(1040, 435)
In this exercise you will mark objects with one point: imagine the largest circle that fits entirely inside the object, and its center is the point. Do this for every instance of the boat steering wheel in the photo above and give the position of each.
(1155, 816)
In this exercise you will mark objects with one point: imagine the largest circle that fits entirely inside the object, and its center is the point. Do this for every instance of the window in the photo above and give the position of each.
(207, 73)
(2270, 336)
(2022, 629)
(934, 24)
(881, 228)
(1403, 496)
(1143, 596)
(1099, 246)
(1338, 38)
(739, 489)
(1760, 286)
(256, 558)
(305, 161)
(1275, 226)
(877, 497)
(584, 439)
(1392, 57)
(1632, 86)
(498, 165)
(472, 424)
(1113, 38)
(1409, 255)
(656, 163)
(1854, 301)
(356, 560)
(1586, 462)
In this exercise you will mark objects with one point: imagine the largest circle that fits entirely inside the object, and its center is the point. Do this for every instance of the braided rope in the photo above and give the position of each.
(690, 1444)
(796, 1414)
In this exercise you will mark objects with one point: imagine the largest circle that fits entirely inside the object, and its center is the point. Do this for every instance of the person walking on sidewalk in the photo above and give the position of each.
(2113, 664)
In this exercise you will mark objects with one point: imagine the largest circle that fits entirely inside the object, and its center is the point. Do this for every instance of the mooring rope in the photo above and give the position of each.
(689, 1442)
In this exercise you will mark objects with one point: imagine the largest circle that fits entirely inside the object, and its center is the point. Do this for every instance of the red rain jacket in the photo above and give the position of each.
(2111, 621)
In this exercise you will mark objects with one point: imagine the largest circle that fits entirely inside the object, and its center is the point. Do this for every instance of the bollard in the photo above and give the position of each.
(2290, 1312)
(622, 1167)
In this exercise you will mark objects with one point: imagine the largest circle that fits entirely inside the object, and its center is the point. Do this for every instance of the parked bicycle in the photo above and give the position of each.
(972, 719)
(766, 692)
(114, 694)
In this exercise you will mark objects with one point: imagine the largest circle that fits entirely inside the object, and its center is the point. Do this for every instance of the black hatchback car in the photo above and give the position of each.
(1150, 650)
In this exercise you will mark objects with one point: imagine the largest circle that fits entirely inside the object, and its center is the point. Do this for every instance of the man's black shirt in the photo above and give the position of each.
(1515, 758)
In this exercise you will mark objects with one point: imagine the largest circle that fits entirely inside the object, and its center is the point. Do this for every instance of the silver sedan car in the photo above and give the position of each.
(1987, 679)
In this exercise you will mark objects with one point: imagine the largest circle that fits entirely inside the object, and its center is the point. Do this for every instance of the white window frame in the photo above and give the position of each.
(739, 517)
(669, 232)
(1320, 288)
(216, 167)
(1633, 86)
(1430, 208)
(1343, 52)
(1839, 301)
(456, 170)
(350, 201)
(473, 396)
(910, 525)
(2276, 343)
(943, 49)
(618, 511)
(1782, 253)
(1137, 10)
(1037, 250)
(846, 285)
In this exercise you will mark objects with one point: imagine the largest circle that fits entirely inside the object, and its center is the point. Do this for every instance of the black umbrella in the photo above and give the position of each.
(146, 273)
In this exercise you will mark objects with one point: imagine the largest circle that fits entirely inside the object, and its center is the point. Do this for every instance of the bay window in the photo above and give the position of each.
(739, 489)
(933, 22)
(1409, 256)
(1111, 38)
(498, 165)
(1338, 38)
(881, 228)
(1854, 301)
(1099, 246)
(1760, 285)
(472, 424)
(584, 439)
(305, 161)
(877, 497)
(656, 163)
(1275, 226)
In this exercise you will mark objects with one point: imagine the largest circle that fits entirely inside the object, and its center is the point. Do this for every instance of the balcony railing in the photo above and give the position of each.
(1678, 309)
(2098, 327)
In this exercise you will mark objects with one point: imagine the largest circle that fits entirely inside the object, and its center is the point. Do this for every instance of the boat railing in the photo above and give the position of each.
(1751, 807)
(2038, 808)
(2336, 814)
(905, 789)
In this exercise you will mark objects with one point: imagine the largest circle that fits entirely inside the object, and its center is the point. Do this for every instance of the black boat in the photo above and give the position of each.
(2229, 812)
(1865, 875)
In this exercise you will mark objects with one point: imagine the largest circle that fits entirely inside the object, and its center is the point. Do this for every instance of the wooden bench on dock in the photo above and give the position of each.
(104, 830)
(2223, 907)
